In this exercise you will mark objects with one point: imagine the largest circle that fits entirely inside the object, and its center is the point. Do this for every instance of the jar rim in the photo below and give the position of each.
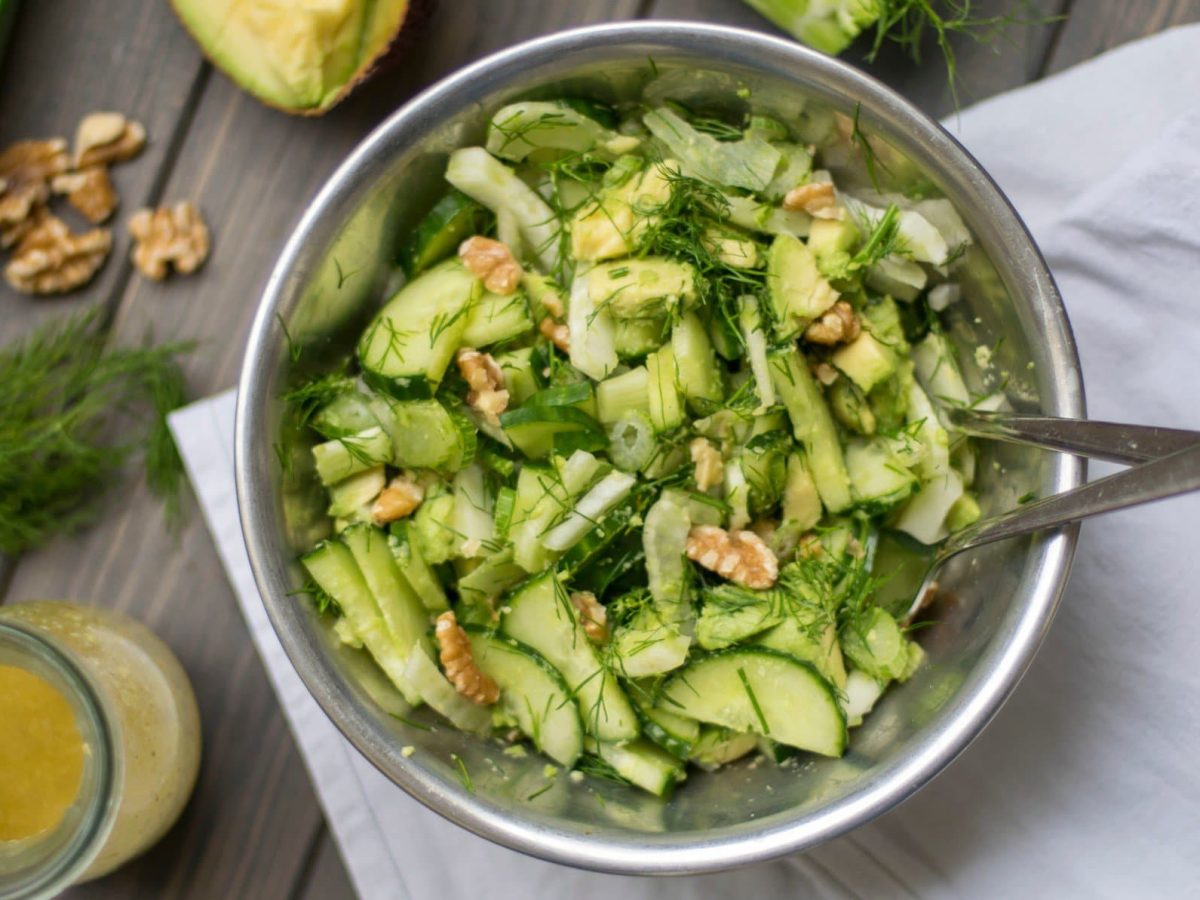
(61, 856)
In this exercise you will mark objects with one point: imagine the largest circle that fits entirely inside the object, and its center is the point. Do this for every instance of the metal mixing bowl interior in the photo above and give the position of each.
(335, 271)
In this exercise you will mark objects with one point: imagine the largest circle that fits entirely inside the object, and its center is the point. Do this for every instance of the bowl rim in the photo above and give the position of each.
(692, 852)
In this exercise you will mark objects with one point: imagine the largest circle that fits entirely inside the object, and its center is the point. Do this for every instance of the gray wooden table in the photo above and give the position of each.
(253, 828)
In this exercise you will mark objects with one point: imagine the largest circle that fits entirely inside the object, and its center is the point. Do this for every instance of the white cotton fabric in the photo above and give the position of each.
(1086, 783)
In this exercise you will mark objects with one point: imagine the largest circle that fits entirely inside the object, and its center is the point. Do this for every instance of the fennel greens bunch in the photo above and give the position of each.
(73, 411)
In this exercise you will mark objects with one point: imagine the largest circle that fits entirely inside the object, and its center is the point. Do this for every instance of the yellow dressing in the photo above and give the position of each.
(41, 755)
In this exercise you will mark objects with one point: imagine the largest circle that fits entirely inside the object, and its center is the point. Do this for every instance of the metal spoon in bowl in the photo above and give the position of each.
(1165, 462)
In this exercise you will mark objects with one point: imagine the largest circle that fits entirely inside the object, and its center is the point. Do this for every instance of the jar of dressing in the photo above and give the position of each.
(99, 744)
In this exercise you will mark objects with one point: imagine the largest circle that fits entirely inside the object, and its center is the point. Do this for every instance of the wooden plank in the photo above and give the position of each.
(327, 878)
(984, 69)
(68, 58)
(253, 819)
(1094, 26)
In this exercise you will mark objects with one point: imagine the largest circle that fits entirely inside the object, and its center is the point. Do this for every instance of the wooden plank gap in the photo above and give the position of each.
(308, 867)
(1058, 29)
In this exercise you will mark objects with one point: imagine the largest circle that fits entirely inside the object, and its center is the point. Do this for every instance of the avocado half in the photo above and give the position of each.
(300, 56)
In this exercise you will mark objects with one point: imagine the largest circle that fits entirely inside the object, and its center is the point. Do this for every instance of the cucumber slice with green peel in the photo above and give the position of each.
(641, 763)
(593, 543)
(415, 569)
(755, 689)
(495, 318)
(351, 498)
(664, 540)
(436, 690)
(452, 220)
(333, 568)
(521, 128)
(696, 364)
(579, 394)
(648, 645)
(521, 377)
(531, 691)
(674, 733)
(342, 457)
(813, 427)
(666, 401)
(716, 747)
(403, 612)
(730, 614)
(407, 347)
(873, 643)
(491, 578)
(540, 614)
(879, 481)
(348, 413)
(810, 635)
(798, 291)
(532, 429)
(472, 520)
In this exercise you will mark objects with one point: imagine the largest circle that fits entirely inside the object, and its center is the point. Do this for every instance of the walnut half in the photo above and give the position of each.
(454, 650)
(486, 381)
(169, 236)
(90, 191)
(592, 615)
(492, 263)
(740, 556)
(837, 326)
(51, 260)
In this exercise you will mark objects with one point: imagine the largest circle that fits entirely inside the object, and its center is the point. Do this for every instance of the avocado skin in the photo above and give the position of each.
(389, 56)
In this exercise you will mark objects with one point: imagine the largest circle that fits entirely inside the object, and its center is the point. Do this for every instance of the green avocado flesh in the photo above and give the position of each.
(298, 55)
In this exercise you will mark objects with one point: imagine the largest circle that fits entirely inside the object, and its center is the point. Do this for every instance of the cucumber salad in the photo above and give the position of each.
(608, 473)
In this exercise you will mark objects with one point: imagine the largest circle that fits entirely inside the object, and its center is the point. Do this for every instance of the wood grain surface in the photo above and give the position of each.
(253, 828)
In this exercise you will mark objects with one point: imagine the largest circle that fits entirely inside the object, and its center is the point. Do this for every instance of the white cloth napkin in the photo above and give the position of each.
(1085, 785)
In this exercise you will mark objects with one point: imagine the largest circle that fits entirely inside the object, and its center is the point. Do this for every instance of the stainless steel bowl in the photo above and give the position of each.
(333, 272)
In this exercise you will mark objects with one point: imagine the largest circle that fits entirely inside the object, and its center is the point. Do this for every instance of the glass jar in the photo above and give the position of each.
(108, 708)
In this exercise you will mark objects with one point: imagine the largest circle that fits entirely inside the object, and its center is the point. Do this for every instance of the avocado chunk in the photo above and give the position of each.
(296, 55)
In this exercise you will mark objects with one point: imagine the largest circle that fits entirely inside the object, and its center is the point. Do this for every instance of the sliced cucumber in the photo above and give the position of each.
(878, 479)
(491, 578)
(333, 568)
(406, 349)
(716, 747)
(533, 429)
(664, 540)
(641, 763)
(541, 615)
(801, 501)
(531, 691)
(674, 733)
(342, 457)
(862, 693)
(666, 402)
(809, 634)
(874, 643)
(520, 128)
(648, 645)
(351, 497)
(403, 612)
(521, 378)
(452, 220)
(730, 614)
(763, 691)
(696, 364)
(436, 690)
(473, 518)
(813, 426)
(416, 571)
(495, 318)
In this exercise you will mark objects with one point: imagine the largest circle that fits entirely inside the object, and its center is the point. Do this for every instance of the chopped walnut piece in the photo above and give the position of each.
(558, 334)
(592, 615)
(170, 235)
(553, 304)
(397, 500)
(486, 380)
(454, 650)
(740, 556)
(710, 468)
(817, 198)
(839, 324)
(107, 137)
(51, 260)
(825, 373)
(90, 191)
(25, 170)
(492, 263)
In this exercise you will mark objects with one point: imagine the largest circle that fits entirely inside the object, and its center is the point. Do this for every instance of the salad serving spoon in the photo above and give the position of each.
(1164, 462)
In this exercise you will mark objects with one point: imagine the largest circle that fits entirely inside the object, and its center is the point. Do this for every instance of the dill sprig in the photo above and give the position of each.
(908, 23)
(73, 411)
